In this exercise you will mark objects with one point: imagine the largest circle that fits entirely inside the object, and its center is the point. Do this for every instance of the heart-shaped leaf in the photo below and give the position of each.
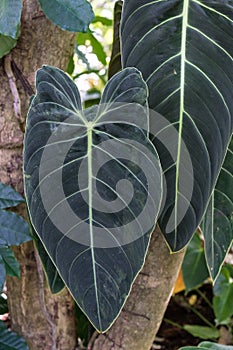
(184, 51)
(217, 224)
(93, 186)
(72, 15)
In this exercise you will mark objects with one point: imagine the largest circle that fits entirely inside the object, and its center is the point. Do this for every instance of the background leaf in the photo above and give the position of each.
(9, 261)
(14, 230)
(217, 224)
(71, 15)
(214, 346)
(10, 13)
(9, 197)
(96, 45)
(10, 340)
(6, 44)
(223, 296)
(202, 332)
(184, 52)
(98, 246)
(194, 267)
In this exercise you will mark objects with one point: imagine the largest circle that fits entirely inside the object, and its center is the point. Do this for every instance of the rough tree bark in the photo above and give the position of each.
(143, 312)
(46, 321)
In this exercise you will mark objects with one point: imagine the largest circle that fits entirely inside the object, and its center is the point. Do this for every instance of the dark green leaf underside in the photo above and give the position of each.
(184, 51)
(97, 252)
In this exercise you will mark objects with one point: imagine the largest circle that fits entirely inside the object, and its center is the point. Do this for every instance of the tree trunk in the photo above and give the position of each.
(46, 321)
(143, 312)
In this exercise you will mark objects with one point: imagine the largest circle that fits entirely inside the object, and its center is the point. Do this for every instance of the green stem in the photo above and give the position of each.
(202, 295)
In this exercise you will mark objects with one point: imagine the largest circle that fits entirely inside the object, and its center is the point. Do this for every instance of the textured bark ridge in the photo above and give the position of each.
(46, 321)
(142, 314)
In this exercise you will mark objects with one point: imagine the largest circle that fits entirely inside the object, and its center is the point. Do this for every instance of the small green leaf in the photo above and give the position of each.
(214, 346)
(9, 197)
(202, 332)
(10, 340)
(104, 20)
(14, 230)
(10, 263)
(223, 297)
(97, 47)
(194, 267)
(6, 44)
(71, 15)
(10, 13)
(192, 348)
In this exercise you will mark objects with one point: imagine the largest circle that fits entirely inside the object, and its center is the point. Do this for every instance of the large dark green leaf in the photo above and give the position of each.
(93, 186)
(10, 340)
(72, 15)
(9, 197)
(10, 13)
(184, 51)
(217, 224)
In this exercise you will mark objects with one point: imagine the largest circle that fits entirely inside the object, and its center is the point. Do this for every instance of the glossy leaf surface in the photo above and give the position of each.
(93, 186)
(184, 51)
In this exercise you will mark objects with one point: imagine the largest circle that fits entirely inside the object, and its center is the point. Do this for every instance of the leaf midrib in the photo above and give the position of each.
(181, 116)
(90, 191)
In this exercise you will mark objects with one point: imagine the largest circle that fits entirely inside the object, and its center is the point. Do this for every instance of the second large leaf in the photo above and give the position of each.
(93, 186)
(184, 51)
